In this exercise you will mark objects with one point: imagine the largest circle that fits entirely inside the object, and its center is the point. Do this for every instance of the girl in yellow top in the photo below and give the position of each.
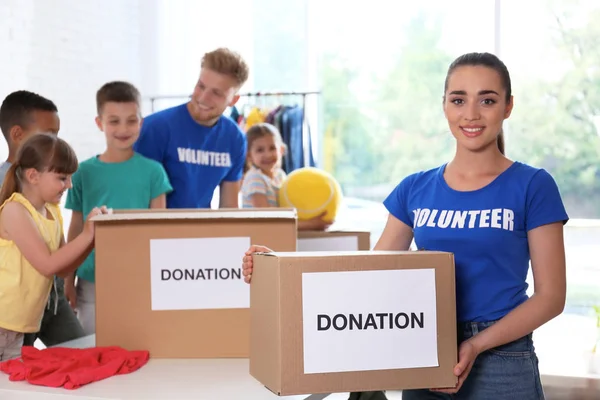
(32, 244)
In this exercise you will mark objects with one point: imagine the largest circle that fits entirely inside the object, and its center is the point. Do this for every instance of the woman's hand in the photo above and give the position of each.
(467, 353)
(247, 260)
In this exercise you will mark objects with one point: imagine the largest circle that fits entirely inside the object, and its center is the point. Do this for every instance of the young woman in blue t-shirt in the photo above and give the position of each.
(495, 215)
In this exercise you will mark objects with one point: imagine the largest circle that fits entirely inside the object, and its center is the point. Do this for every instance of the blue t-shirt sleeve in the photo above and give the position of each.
(397, 201)
(74, 200)
(153, 139)
(238, 159)
(544, 203)
(160, 181)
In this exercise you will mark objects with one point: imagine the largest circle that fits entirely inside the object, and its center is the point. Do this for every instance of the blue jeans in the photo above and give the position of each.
(507, 372)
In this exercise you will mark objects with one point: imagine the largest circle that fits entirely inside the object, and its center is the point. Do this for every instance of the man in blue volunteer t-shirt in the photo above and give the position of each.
(199, 147)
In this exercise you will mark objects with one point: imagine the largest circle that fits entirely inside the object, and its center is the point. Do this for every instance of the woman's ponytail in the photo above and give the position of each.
(500, 141)
(10, 184)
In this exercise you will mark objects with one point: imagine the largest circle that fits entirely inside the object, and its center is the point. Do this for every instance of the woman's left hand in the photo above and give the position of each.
(467, 353)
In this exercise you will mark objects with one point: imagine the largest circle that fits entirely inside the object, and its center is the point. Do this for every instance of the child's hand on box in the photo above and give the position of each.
(247, 260)
(89, 225)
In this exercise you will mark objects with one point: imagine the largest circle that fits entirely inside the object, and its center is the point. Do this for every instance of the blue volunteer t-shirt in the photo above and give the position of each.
(486, 229)
(197, 158)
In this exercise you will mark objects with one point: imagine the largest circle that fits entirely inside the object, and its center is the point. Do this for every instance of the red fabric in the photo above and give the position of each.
(72, 368)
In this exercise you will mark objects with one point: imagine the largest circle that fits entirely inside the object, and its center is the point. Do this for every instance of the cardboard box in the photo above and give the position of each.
(334, 240)
(171, 282)
(325, 322)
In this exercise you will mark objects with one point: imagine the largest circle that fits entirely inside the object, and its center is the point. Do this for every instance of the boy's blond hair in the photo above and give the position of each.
(227, 62)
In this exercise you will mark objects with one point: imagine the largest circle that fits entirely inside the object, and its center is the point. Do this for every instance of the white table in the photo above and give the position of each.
(171, 379)
(565, 365)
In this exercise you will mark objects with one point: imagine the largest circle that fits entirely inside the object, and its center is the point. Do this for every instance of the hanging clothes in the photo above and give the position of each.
(291, 123)
(234, 114)
(256, 116)
(293, 130)
(271, 116)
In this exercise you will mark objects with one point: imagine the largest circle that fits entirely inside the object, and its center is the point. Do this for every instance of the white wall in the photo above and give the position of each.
(66, 49)
(188, 29)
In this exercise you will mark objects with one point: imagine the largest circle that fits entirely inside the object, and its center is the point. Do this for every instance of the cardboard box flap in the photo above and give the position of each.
(360, 253)
(330, 232)
(271, 254)
(196, 214)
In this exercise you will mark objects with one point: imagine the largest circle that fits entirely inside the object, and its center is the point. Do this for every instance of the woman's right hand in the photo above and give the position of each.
(247, 260)
(89, 224)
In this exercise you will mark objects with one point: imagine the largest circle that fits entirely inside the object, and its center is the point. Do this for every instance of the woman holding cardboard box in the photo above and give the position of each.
(495, 215)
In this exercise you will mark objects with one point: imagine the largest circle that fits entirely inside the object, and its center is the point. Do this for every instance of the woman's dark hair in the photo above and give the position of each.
(258, 131)
(43, 152)
(485, 60)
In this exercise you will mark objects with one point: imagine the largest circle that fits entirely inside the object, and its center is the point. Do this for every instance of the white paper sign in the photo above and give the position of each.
(198, 273)
(369, 320)
(335, 243)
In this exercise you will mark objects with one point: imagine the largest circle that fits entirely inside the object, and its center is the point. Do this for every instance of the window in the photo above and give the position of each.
(382, 72)
(556, 77)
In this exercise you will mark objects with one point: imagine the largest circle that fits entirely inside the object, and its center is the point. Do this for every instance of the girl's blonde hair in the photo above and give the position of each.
(258, 131)
(43, 152)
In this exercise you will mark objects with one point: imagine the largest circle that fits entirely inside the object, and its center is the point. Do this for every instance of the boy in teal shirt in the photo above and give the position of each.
(119, 178)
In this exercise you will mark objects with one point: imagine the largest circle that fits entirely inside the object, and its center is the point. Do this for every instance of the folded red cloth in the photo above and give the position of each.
(72, 368)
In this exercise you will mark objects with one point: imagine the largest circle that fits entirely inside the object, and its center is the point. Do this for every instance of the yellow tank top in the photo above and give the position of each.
(23, 290)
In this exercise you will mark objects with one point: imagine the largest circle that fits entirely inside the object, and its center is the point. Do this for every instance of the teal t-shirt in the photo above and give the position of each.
(131, 184)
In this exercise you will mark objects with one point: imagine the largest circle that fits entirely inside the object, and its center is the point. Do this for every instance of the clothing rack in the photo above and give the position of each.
(308, 160)
(256, 95)
(303, 94)
(153, 99)
(280, 93)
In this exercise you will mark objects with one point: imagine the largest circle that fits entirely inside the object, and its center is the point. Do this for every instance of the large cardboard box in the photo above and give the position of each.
(324, 322)
(171, 281)
(334, 240)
